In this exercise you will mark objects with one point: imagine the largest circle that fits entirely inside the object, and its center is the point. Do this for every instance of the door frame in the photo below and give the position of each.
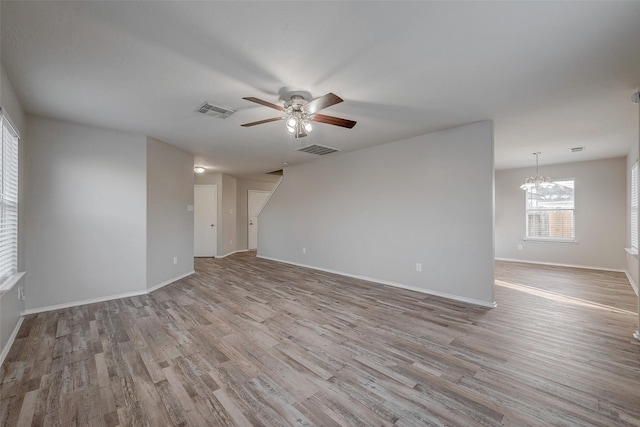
(214, 187)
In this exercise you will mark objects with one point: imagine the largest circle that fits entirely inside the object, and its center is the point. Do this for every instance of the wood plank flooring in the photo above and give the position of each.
(246, 341)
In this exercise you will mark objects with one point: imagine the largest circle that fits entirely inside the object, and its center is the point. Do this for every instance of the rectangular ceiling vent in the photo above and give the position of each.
(577, 149)
(320, 150)
(215, 110)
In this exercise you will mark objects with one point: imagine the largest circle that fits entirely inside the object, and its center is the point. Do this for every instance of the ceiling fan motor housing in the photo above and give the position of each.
(296, 102)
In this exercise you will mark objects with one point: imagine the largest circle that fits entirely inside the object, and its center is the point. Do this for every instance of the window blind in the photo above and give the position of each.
(634, 206)
(8, 200)
(550, 212)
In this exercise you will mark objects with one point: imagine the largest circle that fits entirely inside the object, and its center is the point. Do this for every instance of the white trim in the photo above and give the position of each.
(106, 298)
(634, 285)
(548, 240)
(636, 335)
(588, 267)
(393, 284)
(233, 252)
(11, 282)
(83, 302)
(12, 338)
(632, 251)
(263, 203)
(13, 127)
(269, 198)
(168, 282)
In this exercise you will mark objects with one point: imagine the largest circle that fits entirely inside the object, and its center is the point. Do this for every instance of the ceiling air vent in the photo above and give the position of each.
(215, 110)
(317, 149)
(577, 149)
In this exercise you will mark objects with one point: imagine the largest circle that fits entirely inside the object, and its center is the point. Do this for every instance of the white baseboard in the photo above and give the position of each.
(167, 282)
(105, 298)
(554, 264)
(10, 341)
(83, 302)
(231, 253)
(634, 285)
(394, 284)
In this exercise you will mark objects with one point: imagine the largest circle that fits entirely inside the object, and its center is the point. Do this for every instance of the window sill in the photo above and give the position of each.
(8, 284)
(632, 251)
(543, 240)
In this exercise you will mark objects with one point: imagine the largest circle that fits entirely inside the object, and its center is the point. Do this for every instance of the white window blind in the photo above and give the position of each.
(550, 212)
(634, 206)
(8, 200)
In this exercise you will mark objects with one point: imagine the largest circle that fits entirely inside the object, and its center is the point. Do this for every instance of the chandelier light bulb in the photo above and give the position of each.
(292, 122)
(308, 126)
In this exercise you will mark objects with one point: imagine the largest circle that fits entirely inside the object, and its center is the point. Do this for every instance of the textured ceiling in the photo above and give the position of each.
(552, 75)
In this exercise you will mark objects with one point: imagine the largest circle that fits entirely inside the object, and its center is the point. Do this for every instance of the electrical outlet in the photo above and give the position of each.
(175, 259)
(418, 266)
(304, 250)
(519, 247)
(21, 293)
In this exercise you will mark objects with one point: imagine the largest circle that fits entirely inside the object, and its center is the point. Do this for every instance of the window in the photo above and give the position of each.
(550, 212)
(634, 207)
(8, 200)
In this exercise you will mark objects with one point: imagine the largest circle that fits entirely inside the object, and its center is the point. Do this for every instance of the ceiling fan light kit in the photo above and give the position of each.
(300, 113)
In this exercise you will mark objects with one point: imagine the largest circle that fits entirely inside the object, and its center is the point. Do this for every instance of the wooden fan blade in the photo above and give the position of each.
(265, 103)
(336, 121)
(323, 102)
(275, 119)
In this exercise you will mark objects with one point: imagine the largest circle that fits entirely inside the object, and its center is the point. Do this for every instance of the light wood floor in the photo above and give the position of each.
(247, 341)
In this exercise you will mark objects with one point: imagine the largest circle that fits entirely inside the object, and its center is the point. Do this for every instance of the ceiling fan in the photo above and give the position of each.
(299, 113)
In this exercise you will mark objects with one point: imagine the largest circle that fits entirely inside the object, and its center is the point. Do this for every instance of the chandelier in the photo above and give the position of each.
(537, 181)
(298, 123)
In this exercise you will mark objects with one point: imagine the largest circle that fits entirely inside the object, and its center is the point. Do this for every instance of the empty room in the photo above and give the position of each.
(319, 213)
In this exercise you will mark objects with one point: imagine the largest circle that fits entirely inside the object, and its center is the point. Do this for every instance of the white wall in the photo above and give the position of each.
(376, 212)
(86, 213)
(169, 223)
(242, 217)
(600, 212)
(227, 239)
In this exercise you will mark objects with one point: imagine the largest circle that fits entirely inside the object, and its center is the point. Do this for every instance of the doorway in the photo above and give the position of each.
(205, 214)
(256, 201)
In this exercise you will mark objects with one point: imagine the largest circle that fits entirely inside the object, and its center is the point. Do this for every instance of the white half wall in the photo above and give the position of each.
(378, 211)
(86, 213)
(169, 223)
(600, 212)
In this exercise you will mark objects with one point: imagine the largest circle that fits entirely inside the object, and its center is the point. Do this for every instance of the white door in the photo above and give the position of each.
(205, 213)
(256, 201)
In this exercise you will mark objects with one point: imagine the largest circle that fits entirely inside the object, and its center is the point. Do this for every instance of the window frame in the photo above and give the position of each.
(527, 210)
(9, 201)
(633, 209)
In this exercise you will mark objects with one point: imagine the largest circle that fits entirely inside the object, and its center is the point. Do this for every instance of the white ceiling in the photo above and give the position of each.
(552, 75)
